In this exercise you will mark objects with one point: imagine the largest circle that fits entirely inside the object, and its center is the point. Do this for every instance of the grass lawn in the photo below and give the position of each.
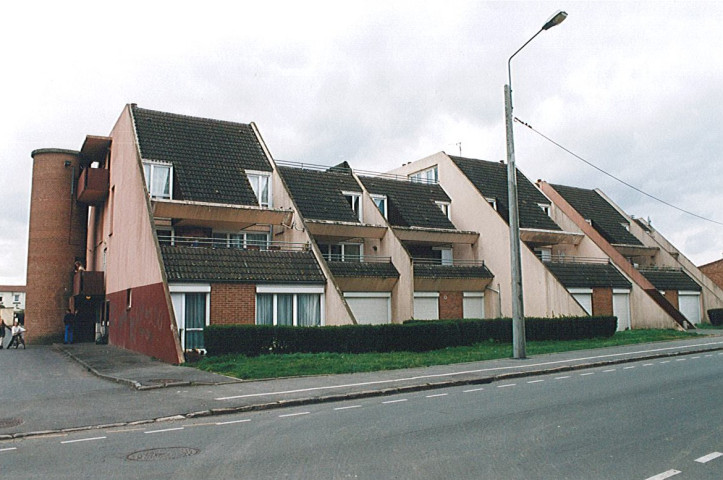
(297, 364)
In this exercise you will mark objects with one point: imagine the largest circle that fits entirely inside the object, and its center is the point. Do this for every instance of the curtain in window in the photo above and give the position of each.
(161, 181)
(264, 309)
(195, 319)
(309, 309)
(284, 309)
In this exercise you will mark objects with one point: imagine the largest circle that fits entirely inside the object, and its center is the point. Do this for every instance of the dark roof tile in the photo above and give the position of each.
(588, 275)
(318, 194)
(670, 279)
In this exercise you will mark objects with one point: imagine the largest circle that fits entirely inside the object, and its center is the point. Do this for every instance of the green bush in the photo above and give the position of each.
(412, 336)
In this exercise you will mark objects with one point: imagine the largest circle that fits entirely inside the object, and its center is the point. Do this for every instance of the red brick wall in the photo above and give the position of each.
(233, 303)
(602, 301)
(714, 271)
(56, 237)
(672, 297)
(450, 305)
(146, 326)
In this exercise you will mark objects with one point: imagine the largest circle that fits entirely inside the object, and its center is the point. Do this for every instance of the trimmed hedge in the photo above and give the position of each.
(716, 316)
(414, 336)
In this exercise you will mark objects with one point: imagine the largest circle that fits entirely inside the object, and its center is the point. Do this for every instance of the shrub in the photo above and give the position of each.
(415, 336)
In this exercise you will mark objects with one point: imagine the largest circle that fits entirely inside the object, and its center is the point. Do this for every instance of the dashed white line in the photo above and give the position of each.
(709, 457)
(8, 449)
(562, 378)
(648, 364)
(395, 401)
(164, 430)
(347, 407)
(665, 361)
(473, 390)
(294, 414)
(535, 381)
(664, 475)
(586, 374)
(83, 440)
(680, 359)
(609, 370)
(506, 385)
(234, 421)
(436, 395)
(628, 368)
(695, 358)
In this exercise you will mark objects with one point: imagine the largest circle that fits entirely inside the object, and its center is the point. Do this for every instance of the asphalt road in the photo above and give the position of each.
(652, 419)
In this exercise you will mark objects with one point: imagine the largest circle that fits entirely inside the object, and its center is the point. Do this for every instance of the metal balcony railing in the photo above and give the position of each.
(448, 263)
(247, 244)
(571, 259)
(334, 257)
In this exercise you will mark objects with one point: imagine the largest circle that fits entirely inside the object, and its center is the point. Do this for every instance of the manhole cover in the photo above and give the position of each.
(154, 454)
(10, 422)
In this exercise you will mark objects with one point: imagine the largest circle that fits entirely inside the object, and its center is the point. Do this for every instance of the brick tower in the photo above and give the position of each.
(56, 239)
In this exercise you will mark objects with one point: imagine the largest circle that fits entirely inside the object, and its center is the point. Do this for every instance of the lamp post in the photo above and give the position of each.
(518, 313)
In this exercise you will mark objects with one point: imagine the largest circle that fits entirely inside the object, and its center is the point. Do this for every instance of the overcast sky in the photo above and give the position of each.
(633, 87)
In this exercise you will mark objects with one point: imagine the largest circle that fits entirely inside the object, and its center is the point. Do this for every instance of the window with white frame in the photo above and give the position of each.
(301, 306)
(445, 255)
(159, 178)
(429, 175)
(246, 240)
(342, 252)
(261, 184)
(354, 200)
(492, 202)
(545, 208)
(445, 207)
(191, 306)
(381, 202)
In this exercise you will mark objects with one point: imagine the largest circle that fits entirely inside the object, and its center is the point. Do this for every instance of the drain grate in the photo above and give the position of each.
(156, 454)
(10, 422)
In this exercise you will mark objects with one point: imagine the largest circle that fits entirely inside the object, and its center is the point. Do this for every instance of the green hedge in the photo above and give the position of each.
(414, 336)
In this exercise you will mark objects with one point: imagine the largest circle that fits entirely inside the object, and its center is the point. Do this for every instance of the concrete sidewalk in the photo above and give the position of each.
(115, 387)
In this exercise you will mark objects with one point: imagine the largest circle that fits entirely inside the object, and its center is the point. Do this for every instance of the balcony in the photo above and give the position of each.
(215, 242)
(88, 284)
(438, 275)
(363, 273)
(93, 186)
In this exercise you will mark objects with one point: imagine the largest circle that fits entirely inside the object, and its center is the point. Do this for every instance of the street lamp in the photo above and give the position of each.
(518, 313)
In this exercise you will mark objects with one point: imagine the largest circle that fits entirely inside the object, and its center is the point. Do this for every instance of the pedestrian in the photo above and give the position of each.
(2, 333)
(17, 338)
(69, 321)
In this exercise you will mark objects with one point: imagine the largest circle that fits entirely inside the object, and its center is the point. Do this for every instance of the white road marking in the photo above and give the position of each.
(695, 358)
(395, 401)
(665, 361)
(294, 414)
(164, 430)
(437, 395)
(535, 381)
(83, 440)
(234, 421)
(664, 475)
(647, 364)
(709, 457)
(9, 449)
(609, 370)
(506, 385)
(468, 372)
(562, 378)
(347, 408)
(681, 359)
(628, 368)
(473, 390)
(586, 374)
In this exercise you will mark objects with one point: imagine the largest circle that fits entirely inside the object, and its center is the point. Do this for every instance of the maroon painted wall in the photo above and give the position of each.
(146, 326)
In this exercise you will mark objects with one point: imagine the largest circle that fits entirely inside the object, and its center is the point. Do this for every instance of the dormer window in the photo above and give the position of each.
(381, 202)
(430, 175)
(626, 226)
(492, 202)
(159, 178)
(545, 208)
(445, 207)
(354, 200)
(261, 184)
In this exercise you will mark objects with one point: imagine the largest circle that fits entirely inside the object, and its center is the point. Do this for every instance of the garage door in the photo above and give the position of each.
(370, 308)
(426, 306)
(689, 305)
(473, 305)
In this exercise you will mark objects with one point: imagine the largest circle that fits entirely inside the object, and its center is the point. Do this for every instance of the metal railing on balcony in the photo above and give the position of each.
(571, 259)
(334, 257)
(448, 262)
(247, 244)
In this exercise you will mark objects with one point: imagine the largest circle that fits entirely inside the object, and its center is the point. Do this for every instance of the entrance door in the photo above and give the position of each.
(191, 310)
(621, 308)
(689, 305)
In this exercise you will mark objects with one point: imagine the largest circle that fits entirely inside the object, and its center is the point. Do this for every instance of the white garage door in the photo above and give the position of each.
(473, 305)
(370, 308)
(689, 305)
(621, 308)
(583, 297)
(426, 306)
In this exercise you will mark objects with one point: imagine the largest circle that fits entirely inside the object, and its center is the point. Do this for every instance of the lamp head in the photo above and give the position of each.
(555, 20)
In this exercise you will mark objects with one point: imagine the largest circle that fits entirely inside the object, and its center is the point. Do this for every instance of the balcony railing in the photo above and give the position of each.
(571, 259)
(88, 283)
(448, 262)
(248, 244)
(337, 257)
(93, 186)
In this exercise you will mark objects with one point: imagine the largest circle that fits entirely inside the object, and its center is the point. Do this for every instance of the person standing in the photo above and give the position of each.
(2, 333)
(68, 320)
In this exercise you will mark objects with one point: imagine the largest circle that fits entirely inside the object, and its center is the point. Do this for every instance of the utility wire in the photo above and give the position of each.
(614, 177)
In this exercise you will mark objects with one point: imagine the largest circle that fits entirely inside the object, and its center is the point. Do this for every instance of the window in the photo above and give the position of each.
(545, 208)
(626, 226)
(444, 255)
(16, 298)
(429, 175)
(492, 202)
(290, 305)
(261, 184)
(381, 202)
(354, 200)
(248, 240)
(342, 252)
(191, 306)
(445, 207)
(158, 179)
